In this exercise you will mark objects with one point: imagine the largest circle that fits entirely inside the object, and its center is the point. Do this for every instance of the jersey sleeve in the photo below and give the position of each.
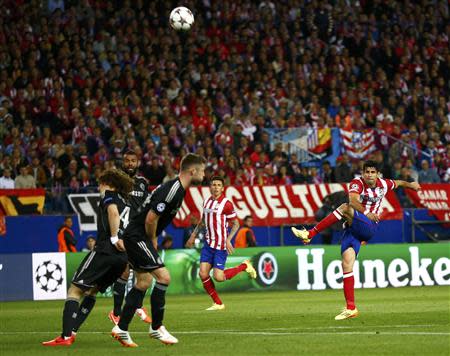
(356, 186)
(229, 211)
(390, 184)
(158, 201)
(109, 198)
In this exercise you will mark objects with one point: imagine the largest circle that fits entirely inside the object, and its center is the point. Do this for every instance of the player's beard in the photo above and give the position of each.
(131, 172)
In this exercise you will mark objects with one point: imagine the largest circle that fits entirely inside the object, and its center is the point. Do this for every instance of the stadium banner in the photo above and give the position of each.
(269, 205)
(358, 143)
(434, 197)
(49, 276)
(277, 205)
(85, 206)
(310, 268)
(22, 201)
(16, 279)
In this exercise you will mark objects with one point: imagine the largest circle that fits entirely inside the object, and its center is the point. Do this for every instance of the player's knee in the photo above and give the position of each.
(74, 292)
(344, 208)
(203, 275)
(125, 275)
(219, 276)
(165, 279)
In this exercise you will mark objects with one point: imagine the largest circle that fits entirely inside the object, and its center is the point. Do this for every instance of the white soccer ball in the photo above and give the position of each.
(181, 18)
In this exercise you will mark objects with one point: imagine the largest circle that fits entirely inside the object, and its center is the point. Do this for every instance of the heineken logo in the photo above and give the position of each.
(412, 270)
(267, 268)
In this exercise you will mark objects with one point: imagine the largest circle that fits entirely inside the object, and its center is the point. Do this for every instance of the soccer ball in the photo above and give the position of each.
(49, 276)
(181, 18)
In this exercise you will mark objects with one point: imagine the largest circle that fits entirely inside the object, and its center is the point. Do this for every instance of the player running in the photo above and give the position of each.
(361, 217)
(137, 197)
(140, 239)
(102, 266)
(218, 212)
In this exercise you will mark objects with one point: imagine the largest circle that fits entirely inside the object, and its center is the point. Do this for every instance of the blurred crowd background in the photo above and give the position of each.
(83, 81)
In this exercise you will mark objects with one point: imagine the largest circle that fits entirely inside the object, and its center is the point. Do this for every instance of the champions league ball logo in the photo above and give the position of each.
(49, 276)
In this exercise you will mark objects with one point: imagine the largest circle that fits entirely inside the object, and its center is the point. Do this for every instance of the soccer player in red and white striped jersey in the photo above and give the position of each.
(218, 213)
(361, 216)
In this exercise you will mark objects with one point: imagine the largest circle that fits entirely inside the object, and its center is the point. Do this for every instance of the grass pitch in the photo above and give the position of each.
(402, 321)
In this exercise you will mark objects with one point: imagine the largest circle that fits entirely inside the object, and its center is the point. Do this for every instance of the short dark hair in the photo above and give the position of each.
(118, 180)
(219, 178)
(370, 164)
(248, 217)
(191, 159)
(130, 153)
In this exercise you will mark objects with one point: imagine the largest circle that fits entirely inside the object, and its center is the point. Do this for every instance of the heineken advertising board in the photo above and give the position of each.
(311, 268)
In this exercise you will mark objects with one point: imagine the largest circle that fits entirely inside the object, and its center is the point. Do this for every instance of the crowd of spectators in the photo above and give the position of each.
(83, 81)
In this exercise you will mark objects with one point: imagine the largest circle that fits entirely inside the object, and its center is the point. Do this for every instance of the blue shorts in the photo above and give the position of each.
(216, 258)
(362, 229)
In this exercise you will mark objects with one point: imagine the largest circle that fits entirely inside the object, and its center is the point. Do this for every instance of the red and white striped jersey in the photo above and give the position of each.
(371, 198)
(216, 214)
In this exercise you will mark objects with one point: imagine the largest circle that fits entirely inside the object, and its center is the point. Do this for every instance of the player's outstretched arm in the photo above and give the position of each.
(413, 185)
(191, 240)
(114, 223)
(151, 223)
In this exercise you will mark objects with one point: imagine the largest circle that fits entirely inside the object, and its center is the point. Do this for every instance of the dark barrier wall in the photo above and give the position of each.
(27, 234)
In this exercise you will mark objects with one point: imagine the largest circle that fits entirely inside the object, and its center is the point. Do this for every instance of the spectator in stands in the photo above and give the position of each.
(66, 236)
(245, 237)
(327, 173)
(6, 182)
(427, 174)
(24, 180)
(154, 172)
(400, 151)
(90, 244)
(342, 172)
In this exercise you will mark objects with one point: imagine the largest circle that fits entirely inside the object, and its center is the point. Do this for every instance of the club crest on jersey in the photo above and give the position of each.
(160, 207)
(142, 186)
(354, 186)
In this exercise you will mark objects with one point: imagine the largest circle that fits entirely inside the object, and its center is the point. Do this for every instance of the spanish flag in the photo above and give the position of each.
(319, 140)
(22, 201)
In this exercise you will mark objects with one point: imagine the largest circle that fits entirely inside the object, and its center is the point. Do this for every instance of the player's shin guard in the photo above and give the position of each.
(231, 272)
(85, 308)
(69, 316)
(133, 301)
(329, 220)
(158, 302)
(208, 284)
(119, 293)
(349, 290)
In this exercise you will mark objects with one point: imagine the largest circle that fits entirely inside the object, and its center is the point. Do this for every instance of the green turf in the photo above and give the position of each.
(403, 321)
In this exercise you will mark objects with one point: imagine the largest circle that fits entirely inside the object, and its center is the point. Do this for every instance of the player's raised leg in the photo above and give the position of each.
(343, 211)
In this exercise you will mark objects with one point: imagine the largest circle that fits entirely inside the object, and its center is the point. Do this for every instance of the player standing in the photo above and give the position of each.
(141, 237)
(137, 197)
(218, 212)
(102, 266)
(361, 217)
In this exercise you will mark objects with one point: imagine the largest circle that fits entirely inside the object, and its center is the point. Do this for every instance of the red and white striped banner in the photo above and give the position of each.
(358, 144)
(277, 205)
